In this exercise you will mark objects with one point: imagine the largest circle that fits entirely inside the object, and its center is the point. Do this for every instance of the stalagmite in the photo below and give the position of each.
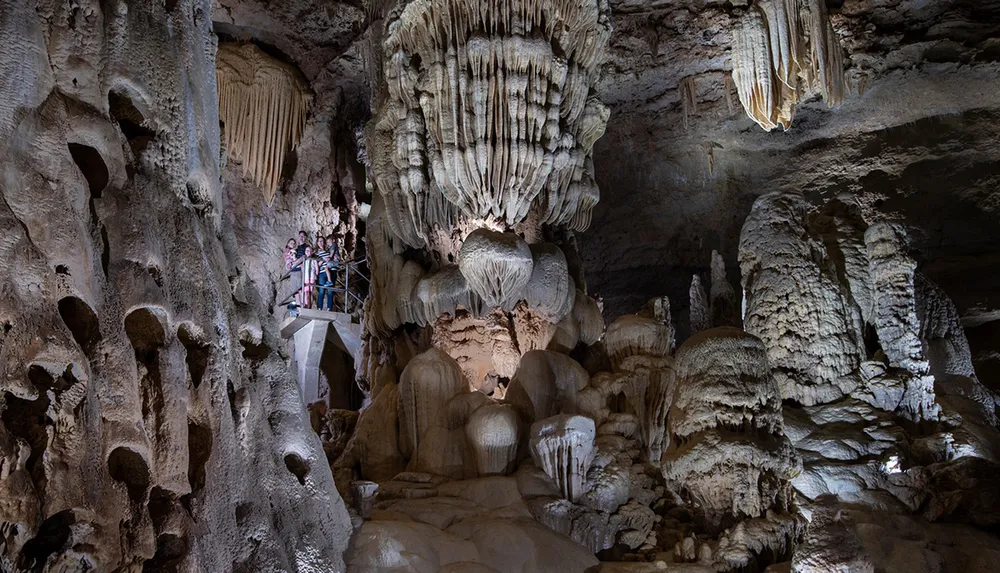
(783, 51)
(426, 384)
(650, 384)
(725, 308)
(728, 452)
(263, 104)
(493, 434)
(895, 315)
(630, 335)
(563, 447)
(496, 265)
(796, 304)
(699, 310)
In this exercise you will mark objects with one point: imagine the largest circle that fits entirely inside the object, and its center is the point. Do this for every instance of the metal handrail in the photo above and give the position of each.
(340, 284)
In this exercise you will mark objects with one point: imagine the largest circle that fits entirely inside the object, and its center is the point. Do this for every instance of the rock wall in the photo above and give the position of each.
(148, 416)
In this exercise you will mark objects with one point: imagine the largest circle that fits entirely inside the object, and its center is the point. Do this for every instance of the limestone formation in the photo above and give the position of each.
(724, 305)
(632, 335)
(563, 447)
(784, 50)
(551, 290)
(493, 432)
(426, 384)
(496, 265)
(150, 417)
(649, 389)
(547, 383)
(829, 544)
(526, 136)
(728, 452)
(796, 304)
(588, 318)
(699, 308)
(895, 315)
(263, 105)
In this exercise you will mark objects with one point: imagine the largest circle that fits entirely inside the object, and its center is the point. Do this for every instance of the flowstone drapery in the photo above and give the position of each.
(783, 51)
(263, 104)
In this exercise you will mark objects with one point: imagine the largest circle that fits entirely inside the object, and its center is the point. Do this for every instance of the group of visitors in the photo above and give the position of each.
(316, 269)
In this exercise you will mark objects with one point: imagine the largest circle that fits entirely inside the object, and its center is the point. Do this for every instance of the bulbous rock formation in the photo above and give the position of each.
(563, 447)
(550, 291)
(546, 384)
(493, 432)
(496, 265)
(728, 452)
(632, 335)
(426, 384)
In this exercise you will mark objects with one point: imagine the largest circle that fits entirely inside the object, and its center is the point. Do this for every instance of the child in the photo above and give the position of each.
(310, 273)
(290, 254)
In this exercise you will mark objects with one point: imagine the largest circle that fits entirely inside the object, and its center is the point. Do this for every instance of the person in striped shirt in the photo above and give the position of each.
(310, 274)
(325, 278)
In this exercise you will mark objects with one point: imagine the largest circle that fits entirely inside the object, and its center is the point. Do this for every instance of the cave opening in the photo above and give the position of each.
(199, 451)
(52, 537)
(198, 352)
(131, 122)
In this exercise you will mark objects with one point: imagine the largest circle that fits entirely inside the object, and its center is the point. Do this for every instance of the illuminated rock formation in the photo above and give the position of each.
(263, 104)
(563, 447)
(783, 51)
(493, 432)
(796, 304)
(728, 453)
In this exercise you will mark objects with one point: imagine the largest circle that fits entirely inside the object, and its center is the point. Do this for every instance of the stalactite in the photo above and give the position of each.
(263, 104)
(784, 50)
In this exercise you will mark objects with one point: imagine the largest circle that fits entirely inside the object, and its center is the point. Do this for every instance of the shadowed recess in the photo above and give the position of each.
(129, 468)
(81, 321)
(53, 534)
(92, 166)
(298, 466)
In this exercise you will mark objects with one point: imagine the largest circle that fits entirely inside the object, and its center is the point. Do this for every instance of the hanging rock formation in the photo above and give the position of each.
(784, 51)
(263, 105)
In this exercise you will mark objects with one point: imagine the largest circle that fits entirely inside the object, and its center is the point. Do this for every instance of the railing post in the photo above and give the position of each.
(347, 286)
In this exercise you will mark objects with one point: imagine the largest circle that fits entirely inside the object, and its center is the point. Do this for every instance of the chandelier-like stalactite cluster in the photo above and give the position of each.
(784, 51)
(263, 103)
(490, 113)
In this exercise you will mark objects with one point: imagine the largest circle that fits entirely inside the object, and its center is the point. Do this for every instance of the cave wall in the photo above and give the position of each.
(149, 419)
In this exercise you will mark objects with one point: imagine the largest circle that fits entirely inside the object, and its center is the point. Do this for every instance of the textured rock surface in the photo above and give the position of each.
(796, 303)
(149, 418)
